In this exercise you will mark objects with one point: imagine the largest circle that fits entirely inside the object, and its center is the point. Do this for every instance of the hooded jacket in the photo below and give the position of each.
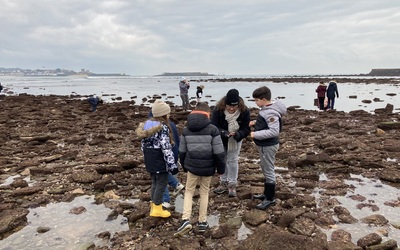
(269, 124)
(156, 147)
(321, 90)
(332, 89)
(201, 151)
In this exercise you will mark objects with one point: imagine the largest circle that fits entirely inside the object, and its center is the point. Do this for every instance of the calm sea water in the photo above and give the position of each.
(301, 94)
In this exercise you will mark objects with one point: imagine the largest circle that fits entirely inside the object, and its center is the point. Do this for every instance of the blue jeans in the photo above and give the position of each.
(173, 182)
(331, 103)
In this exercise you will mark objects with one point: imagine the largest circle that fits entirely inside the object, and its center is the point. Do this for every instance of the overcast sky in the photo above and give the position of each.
(148, 37)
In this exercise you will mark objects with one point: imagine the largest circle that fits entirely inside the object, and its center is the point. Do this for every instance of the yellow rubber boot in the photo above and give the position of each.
(158, 211)
(151, 207)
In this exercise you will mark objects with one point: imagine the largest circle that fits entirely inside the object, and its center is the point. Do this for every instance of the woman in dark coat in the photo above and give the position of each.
(232, 118)
(330, 93)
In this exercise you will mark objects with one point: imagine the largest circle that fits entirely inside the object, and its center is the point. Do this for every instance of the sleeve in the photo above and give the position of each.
(244, 129)
(182, 151)
(166, 148)
(218, 153)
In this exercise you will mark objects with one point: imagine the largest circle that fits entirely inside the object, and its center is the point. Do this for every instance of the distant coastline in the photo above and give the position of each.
(185, 74)
(52, 72)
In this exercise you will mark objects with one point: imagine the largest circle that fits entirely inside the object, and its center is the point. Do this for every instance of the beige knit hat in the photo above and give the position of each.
(160, 108)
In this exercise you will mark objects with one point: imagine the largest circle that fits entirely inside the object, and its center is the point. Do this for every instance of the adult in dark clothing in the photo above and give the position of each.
(321, 90)
(330, 93)
(232, 117)
(94, 101)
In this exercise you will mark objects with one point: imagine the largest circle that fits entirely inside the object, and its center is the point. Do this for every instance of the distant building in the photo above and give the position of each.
(384, 72)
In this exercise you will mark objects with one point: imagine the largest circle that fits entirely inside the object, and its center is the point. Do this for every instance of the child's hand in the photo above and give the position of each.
(252, 123)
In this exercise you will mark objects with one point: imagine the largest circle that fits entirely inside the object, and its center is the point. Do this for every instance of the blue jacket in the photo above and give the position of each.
(332, 89)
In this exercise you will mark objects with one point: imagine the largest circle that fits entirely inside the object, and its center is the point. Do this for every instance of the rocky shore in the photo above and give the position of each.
(69, 151)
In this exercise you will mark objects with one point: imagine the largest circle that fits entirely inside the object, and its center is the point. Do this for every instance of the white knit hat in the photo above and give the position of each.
(160, 108)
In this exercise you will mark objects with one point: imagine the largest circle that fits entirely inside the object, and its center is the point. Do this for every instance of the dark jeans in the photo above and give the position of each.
(158, 185)
(331, 103)
(321, 101)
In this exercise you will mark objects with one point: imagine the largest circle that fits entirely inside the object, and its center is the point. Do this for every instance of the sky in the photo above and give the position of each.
(223, 37)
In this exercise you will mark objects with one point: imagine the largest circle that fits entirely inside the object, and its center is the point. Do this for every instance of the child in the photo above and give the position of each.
(156, 136)
(266, 137)
(201, 153)
(199, 93)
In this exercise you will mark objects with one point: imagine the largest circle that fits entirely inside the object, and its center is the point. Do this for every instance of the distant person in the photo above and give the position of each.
(94, 101)
(156, 144)
(199, 92)
(330, 93)
(184, 86)
(1, 87)
(201, 154)
(321, 90)
(231, 116)
(266, 136)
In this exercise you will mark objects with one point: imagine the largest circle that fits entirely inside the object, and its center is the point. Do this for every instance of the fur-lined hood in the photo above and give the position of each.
(148, 128)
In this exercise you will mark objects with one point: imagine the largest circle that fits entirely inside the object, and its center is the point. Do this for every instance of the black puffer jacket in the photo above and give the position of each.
(201, 151)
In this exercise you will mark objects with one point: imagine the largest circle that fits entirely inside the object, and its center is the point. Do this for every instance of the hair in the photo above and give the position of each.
(164, 119)
(221, 104)
(262, 92)
(203, 106)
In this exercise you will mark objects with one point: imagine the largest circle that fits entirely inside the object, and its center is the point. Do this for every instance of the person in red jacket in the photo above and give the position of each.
(321, 90)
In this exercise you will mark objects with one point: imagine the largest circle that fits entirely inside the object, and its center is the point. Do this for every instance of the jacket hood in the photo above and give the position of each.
(276, 106)
(148, 128)
(197, 121)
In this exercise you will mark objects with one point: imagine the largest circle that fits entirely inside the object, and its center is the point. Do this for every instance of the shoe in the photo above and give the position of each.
(222, 188)
(259, 196)
(231, 190)
(158, 211)
(203, 226)
(265, 204)
(166, 204)
(184, 228)
(178, 189)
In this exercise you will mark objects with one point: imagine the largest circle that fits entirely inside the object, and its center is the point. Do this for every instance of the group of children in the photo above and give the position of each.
(202, 153)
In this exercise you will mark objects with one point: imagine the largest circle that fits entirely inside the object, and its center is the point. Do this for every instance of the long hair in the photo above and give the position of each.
(221, 104)
(164, 119)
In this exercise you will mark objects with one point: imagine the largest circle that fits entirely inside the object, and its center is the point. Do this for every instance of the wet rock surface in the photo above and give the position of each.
(67, 151)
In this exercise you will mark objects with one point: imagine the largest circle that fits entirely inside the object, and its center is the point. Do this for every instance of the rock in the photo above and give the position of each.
(369, 240)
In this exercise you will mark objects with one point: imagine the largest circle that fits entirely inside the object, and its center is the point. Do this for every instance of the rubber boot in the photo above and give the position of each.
(269, 199)
(151, 207)
(158, 211)
(261, 196)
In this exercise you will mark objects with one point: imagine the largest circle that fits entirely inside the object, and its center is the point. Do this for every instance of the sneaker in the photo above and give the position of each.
(166, 204)
(221, 189)
(184, 228)
(178, 189)
(203, 226)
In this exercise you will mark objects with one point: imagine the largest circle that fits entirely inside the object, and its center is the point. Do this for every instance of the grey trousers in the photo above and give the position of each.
(267, 162)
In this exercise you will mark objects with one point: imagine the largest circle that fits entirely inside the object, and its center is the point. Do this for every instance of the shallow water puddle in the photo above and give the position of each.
(67, 231)
(376, 193)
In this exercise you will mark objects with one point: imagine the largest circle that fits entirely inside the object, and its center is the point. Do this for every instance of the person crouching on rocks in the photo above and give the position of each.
(156, 144)
(94, 101)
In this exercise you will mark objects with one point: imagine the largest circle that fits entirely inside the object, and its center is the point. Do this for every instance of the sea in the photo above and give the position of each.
(352, 96)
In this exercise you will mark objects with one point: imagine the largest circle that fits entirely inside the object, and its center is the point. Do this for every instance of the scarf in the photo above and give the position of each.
(233, 126)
